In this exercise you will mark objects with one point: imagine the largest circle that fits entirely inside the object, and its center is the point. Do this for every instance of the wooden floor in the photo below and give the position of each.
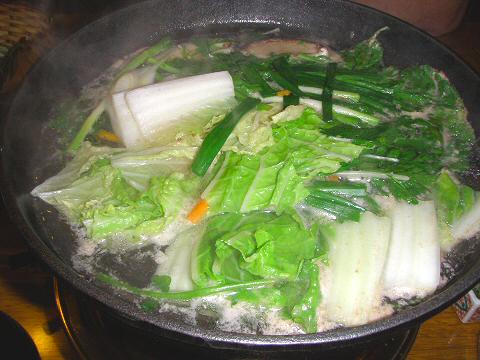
(445, 337)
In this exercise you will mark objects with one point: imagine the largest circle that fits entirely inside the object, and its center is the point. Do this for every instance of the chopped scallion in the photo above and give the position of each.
(327, 110)
(213, 142)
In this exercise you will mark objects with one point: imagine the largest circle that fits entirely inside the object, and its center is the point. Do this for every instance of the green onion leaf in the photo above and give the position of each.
(186, 295)
(161, 282)
(285, 83)
(328, 93)
(340, 188)
(252, 75)
(86, 127)
(290, 100)
(214, 141)
(145, 55)
(342, 208)
(284, 76)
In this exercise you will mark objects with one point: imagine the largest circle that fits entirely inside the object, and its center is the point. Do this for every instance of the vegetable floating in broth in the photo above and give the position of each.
(284, 187)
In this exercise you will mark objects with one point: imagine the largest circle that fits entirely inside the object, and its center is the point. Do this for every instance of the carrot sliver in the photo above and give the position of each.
(198, 212)
(108, 136)
(334, 178)
(284, 92)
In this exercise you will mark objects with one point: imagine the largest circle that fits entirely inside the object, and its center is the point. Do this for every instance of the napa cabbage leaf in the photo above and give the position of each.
(239, 248)
(95, 190)
(274, 178)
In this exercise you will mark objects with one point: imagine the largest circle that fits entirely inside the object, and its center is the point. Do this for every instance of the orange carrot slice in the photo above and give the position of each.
(284, 92)
(334, 178)
(108, 136)
(198, 212)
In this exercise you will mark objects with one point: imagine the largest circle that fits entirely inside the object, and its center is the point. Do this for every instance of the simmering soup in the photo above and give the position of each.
(267, 185)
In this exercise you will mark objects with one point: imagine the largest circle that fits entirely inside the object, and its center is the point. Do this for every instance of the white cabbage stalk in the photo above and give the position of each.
(121, 118)
(123, 123)
(178, 260)
(356, 259)
(317, 106)
(467, 225)
(135, 78)
(413, 262)
(145, 114)
(157, 106)
(359, 175)
(337, 94)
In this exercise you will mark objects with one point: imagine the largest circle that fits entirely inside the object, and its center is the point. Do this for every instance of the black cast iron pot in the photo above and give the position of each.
(29, 150)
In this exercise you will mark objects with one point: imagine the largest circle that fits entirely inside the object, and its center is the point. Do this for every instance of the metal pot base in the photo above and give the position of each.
(97, 332)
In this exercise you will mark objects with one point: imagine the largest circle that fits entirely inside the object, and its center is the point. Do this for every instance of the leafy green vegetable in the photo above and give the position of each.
(454, 202)
(459, 134)
(343, 200)
(420, 86)
(92, 191)
(140, 213)
(245, 248)
(274, 178)
(254, 131)
(304, 310)
(104, 221)
(139, 166)
(312, 152)
(161, 282)
(267, 245)
(74, 185)
(254, 182)
(408, 190)
(273, 249)
(365, 55)
(169, 192)
(204, 251)
(414, 145)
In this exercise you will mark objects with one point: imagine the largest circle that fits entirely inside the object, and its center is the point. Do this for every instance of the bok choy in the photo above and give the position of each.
(412, 268)
(356, 257)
